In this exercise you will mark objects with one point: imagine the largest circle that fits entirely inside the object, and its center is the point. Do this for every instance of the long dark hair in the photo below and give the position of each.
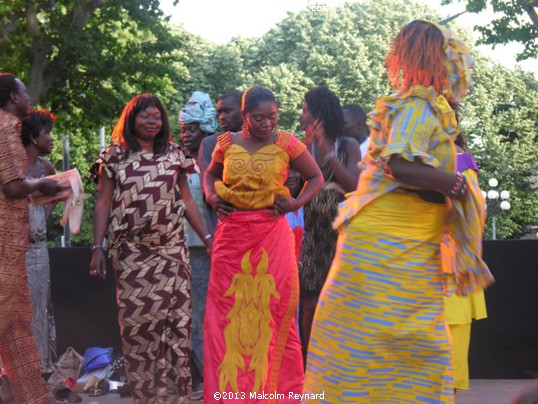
(124, 133)
(324, 105)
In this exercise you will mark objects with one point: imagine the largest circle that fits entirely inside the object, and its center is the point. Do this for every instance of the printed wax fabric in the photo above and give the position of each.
(147, 247)
(251, 342)
(18, 348)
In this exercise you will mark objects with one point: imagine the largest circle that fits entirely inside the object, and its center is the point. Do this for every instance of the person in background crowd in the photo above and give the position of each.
(337, 157)
(142, 197)
(250, 334)
(198, 119)
(296, 218)
(18, 348)
(462, 310)
(37, 140)
(355, 126)
(381, 313)
(230, 119)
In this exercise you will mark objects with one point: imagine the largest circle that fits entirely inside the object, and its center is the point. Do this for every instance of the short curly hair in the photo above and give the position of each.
(34, 122)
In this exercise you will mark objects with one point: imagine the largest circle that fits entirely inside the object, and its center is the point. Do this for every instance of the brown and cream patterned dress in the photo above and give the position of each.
(151, 264)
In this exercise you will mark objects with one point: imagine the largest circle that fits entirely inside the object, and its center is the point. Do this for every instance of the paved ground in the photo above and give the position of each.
(480, 392)
(494, 391)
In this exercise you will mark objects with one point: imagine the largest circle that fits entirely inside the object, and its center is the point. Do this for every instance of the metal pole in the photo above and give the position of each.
(65, 151)
(493, 228)
(101, 138)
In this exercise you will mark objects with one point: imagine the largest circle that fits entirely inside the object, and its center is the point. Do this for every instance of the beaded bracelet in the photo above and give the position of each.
(459, 188)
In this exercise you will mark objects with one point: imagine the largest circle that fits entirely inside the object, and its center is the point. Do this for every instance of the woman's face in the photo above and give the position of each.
(148, 123)
(191, 136)
(44, 141)
(262, 120)
(306, 119)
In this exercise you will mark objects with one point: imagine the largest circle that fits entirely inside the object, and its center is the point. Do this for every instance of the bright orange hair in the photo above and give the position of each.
(417, 57)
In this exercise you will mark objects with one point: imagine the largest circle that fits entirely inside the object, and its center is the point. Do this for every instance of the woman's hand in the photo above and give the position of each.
(459, 188)
(220, 205)
(208, 242)
(308, 136)
(284, 205)
(318, 133)
(98, 263)
(48, 186)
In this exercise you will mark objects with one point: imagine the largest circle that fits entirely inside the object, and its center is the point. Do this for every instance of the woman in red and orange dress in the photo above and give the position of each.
(250, 334)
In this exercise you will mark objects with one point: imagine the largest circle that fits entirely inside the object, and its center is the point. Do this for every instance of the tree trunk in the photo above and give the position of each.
(41, 76)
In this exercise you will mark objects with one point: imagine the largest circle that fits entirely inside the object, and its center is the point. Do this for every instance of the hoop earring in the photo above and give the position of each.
(244, 129)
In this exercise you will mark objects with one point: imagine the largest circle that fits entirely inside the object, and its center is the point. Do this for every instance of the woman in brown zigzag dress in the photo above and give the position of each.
(143, 196)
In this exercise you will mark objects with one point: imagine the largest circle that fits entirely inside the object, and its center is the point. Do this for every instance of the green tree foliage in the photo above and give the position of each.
(345, 49)
(500, 119)
(515, 21)
(88, 58)
(84, 59)
(342, 48)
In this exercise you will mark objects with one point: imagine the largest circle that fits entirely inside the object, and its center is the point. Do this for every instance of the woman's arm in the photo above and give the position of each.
(105, 193)
(18, 189)
(213, 174)
(49, 170)
(309, 170)
(421, 175)
(192, 213)
(348, 175)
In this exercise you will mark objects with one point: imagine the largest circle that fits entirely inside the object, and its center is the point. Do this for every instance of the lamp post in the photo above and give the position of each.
(494, 205)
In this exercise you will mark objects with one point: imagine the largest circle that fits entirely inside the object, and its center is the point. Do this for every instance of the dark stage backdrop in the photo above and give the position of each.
(84, 307)
(503, 346)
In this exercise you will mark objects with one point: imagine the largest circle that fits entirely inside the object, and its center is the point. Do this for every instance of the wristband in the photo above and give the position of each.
(96, 246)
(459, 187)
(207, 237)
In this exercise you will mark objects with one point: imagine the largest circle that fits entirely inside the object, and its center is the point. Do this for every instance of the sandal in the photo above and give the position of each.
(100, 389)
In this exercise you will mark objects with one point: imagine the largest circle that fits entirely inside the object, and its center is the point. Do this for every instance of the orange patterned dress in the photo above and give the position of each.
(18, 348)
(251, 344)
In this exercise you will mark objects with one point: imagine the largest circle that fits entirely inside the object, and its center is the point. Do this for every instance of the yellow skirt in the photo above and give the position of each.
(460, 311)
(379, 333)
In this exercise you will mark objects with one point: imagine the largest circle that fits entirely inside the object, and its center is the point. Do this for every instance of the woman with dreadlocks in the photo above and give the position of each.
(337, 156)
(410, 224)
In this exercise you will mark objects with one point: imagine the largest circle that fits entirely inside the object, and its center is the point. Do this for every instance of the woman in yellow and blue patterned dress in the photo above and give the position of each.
(379, 332)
